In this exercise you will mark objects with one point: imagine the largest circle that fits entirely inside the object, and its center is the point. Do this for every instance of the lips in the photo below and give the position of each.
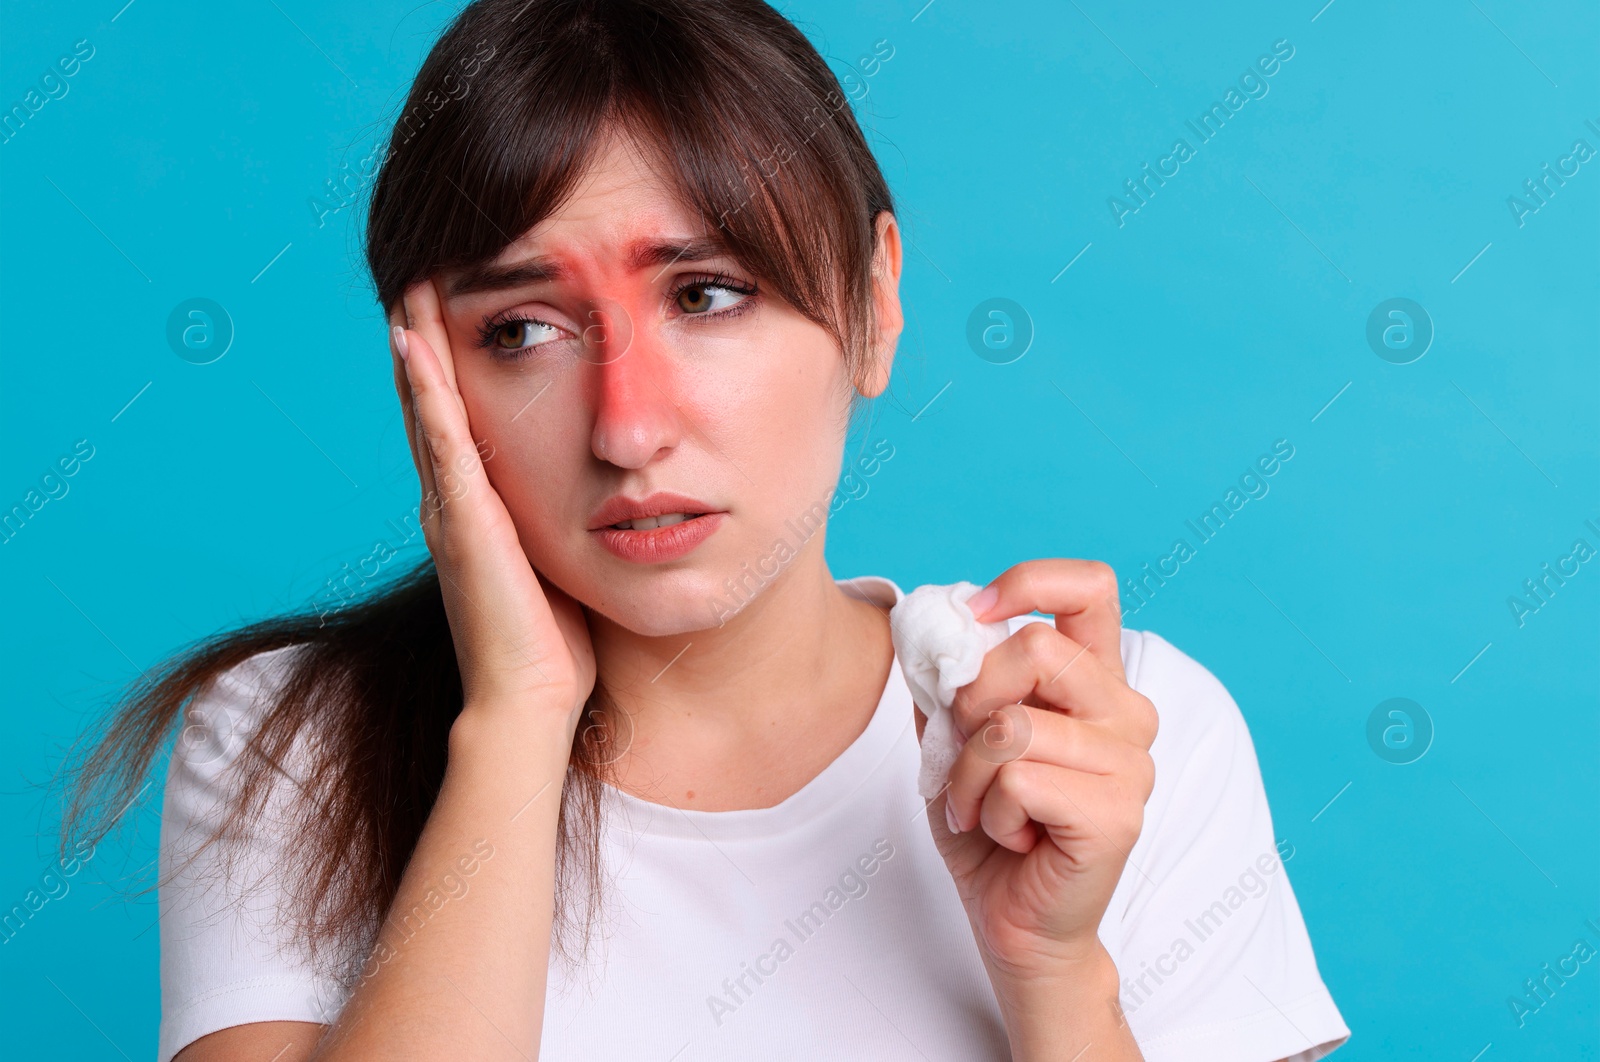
(662, 527)
(650, 523)
(622, 509)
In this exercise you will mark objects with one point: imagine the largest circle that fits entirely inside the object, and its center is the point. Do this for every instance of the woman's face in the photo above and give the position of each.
(614, 353)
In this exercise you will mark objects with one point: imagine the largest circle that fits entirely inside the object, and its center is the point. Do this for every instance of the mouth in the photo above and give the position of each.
(658, 539)
(655, 529)
(650, 523)
(660, 509)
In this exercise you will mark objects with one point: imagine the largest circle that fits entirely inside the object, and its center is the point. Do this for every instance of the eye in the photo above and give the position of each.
(515, 335)
(512, 334)
(709, 298)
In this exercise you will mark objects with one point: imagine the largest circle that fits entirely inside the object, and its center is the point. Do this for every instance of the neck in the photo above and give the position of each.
(743, 714)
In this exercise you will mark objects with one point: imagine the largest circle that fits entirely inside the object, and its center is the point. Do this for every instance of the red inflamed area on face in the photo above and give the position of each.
(644, 255)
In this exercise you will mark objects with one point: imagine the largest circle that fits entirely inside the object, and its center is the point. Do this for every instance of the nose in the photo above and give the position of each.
(630, 386)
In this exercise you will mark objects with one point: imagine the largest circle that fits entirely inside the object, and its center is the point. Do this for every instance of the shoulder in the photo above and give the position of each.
(1207, 816)
(231, 950)
(217, 726)
(225, 712)
(1192, 703)
(1201, 727)
(259, 675)
(1205, 760)
(1205, 901)
(233, 797)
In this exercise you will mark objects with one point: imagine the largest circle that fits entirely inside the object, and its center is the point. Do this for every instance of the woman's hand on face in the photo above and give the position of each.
(1049, 791)
(519, 641)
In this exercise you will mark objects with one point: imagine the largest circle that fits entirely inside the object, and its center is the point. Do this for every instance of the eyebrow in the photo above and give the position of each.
(491, 277)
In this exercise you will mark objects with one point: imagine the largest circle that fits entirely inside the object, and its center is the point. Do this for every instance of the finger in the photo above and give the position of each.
(427, 311)
(1019, 732)
(402, 389)
(408, 413)
(1080, 594)
(447, 448)
(1028, 796)
(422, 300)
(1039, 665)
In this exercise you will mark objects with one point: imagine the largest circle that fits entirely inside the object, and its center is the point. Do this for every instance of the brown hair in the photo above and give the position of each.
(498, 126)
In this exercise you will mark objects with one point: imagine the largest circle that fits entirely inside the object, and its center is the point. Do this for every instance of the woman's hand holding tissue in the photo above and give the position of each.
(1047, 798)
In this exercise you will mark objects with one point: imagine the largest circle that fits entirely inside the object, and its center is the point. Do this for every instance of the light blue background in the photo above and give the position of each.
(183, 160)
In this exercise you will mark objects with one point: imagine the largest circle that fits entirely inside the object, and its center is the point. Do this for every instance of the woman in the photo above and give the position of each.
(624, 772)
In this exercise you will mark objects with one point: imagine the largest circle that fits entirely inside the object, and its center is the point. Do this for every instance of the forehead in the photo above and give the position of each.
(624, 195)
(624, 211)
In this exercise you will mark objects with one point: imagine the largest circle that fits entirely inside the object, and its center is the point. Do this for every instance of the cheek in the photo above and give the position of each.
(780, 422)
(532, 439)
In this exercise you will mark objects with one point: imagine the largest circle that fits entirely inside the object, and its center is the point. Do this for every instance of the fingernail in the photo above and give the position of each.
(950, 819)
(983, 601)
(399, 335)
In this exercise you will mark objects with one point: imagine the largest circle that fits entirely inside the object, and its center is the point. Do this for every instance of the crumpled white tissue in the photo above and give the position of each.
(941, 647)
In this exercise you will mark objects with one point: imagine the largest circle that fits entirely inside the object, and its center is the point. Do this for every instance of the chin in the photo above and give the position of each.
(661, 603)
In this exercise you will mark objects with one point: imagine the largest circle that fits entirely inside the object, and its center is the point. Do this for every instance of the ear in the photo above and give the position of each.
(889, 320)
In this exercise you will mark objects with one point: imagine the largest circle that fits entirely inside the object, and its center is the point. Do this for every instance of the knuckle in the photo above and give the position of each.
(1103, 577)
(431, 539)
(430, 505)
(436, 447)
(1013, 780)
(420, 384)
(1026, 576)
(1007, 738)
(1131, 825)
(1024, 730)
(446, 549)
(1149, 719)
(1145, 774)
(1069, 740)
(1038, 642)
(969, 712)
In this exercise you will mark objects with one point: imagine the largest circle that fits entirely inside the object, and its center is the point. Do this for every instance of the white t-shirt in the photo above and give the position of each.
(827, 926)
